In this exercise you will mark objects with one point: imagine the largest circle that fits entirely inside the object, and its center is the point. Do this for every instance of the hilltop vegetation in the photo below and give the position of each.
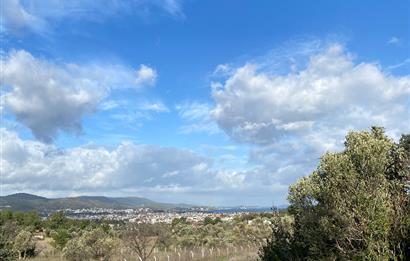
(28, 202)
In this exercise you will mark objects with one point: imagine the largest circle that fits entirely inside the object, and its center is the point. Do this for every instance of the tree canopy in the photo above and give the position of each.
(355, 206)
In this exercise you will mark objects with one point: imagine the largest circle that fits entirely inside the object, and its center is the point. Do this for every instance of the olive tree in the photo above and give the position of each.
(143, 238)
(76, 250)
(95, 244)
(24, 243)
(8, 232)
(353, 207)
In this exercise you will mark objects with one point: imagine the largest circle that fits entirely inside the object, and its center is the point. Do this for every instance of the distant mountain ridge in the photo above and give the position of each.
(29, 202)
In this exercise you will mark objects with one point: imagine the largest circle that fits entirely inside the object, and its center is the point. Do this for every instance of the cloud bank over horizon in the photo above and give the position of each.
(36, 167)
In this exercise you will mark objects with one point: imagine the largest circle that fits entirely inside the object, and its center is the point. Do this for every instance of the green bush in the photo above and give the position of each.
(355, 206)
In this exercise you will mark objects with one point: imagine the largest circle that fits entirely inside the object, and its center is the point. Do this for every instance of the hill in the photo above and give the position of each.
(28, 202)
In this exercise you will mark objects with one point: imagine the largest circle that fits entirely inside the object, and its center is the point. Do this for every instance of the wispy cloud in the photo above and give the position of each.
(34, 16)
(109, 105)
(196, 118)
(394, 41)
(154, 107)
(401, 64)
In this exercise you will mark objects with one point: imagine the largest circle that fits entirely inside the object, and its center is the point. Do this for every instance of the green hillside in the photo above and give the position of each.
(28, 202)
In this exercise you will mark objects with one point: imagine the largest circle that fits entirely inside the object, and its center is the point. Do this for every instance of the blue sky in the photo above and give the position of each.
(210, 102)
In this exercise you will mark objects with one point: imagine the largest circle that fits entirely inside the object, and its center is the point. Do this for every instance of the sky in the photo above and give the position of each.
(202, 102)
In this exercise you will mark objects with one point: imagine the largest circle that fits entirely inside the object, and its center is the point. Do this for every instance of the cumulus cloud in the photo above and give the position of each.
(146, 75)
(292, 118)
(129, 168)
(55, 97)
(40, 16)
(333, 91)
(35, 165)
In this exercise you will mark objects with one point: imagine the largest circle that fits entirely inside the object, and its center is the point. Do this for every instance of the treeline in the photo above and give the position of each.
(19, 229)
(102, 240)
(355, 206)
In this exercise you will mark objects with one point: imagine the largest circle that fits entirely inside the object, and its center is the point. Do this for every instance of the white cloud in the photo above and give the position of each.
(35, 165)
(394, 40)
(331, 92)
(130, 106)
(222, 70)
(55, 97)
(196, 118)
(154, 106)
(146, 76)
(127, 169)
(231, 178)
(15, 18)
(109, 105)
(40, 16)
(291, 119)
(399, 65)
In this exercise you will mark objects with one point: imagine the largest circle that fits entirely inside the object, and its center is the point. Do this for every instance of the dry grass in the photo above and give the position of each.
(173, 256)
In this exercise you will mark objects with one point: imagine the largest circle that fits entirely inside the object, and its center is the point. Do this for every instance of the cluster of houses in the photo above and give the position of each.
(146, 215)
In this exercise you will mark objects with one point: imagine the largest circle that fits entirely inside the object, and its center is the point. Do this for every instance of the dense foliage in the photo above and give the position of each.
(79, 240)
(355, 206)
(18, 231)
(16, 234)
